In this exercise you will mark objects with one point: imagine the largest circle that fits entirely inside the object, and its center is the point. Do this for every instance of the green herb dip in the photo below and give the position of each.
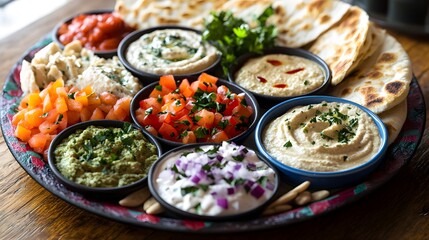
(105, 157)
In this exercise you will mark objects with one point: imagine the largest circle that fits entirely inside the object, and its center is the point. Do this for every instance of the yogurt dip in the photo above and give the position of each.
(324, 137)
(171, 51)
(215, 180)
(280, 75)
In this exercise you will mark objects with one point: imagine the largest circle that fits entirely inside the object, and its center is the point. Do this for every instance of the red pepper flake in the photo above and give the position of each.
(280, 85)
(274, 62)
(261, 79)
(295, 71)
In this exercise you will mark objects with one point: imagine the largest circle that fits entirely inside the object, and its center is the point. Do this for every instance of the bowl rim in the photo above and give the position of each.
(101, 53)
(253, 102)
(184, 213)
(274, 112)
(147, 76)
(100, 190)
(298, 52)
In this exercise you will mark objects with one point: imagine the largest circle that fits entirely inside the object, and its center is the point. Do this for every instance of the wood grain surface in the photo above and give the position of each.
(397, 210)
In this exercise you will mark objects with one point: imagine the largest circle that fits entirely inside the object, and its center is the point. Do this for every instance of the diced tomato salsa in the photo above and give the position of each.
(42, 115)
(95, 31)
(194, 112)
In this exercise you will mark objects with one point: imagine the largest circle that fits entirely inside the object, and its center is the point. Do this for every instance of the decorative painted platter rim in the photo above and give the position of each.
(399, 153)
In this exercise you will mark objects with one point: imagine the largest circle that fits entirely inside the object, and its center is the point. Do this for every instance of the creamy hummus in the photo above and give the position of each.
(215, 180)
(280, 75)
(171, 51)
(323, 137)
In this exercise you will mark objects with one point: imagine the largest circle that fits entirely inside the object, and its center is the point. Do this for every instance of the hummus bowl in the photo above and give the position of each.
(213, 182)
(281, 73)
(102, 34)
(179, 51)
(79, 165)
(329, 141)
(247, 124)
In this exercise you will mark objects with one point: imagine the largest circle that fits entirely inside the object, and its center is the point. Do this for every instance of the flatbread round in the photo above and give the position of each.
(142, 14)
(382, 82)
(394, 119)
(340, 46)
(247, 10)
(301, 22)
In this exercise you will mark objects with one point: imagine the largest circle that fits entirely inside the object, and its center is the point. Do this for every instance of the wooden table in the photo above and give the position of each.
(398, 210)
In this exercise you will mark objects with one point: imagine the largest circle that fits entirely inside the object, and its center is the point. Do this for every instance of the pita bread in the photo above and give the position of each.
(394, 119)
(377, 36)
(248, 10)
(382, 81)
(142, 14)
(341, 45)
(301, 22)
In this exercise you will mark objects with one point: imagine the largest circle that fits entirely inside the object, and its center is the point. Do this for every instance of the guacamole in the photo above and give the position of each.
(105, 157)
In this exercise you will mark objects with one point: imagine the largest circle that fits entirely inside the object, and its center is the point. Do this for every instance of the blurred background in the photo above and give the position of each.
(16, 14)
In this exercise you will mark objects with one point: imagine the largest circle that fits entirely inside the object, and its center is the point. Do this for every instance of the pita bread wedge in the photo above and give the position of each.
(377, 38)
(151, 13)
(300, 22)
(382, 81)
(394, 119)
(340, 46)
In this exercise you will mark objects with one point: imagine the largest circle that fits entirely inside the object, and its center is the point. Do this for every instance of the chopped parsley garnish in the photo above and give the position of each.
(201, 132)
(158, 88)
(306, 82)
(238, 158)
(60, 118)
(288, 144)
(44, 115)
(345, 158)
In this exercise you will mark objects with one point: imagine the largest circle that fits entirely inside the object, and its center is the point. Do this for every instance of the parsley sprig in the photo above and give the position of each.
(234, 37)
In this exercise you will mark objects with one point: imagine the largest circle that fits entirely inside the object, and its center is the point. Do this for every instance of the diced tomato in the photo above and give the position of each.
(189, 137)
(152, 120)
(176, 105)
(22, 133)
(74, 105)
(85, 115)
(108, 98)
(168, 132)
(62, 121)
(34, 117)
(151, 130)
(230, 106)
(97, 114)
(160, 91)
(183, 123)
(47, 104)
(38, 141)
(112, 116)
(168, 81)
(72, 117)
(166, 117)
(204, 77)
(34, 100)
(185, 88)
(206, 118)
(61, 104)
(220, 136)
(19, 116)
(151, 103)
(122, 107)
(47, 127)
(242, 111)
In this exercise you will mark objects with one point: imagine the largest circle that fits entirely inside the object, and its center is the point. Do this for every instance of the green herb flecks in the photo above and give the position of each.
(234, 37)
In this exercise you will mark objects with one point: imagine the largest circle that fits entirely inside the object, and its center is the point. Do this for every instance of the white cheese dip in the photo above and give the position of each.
(171, 51)
(325, 137)
(215, 180)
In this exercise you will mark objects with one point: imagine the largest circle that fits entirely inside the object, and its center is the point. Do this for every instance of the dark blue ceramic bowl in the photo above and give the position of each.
(269, 101)
(321, 180)
(250, 99)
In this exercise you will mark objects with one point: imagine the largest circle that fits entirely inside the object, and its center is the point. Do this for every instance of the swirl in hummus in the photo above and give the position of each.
(280, 75)
(171, 51)
(324, 137)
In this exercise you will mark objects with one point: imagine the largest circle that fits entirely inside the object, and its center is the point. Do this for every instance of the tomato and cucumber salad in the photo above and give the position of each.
(194, 112)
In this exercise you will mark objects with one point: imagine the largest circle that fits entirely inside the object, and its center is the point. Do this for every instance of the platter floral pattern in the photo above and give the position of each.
(399, 153)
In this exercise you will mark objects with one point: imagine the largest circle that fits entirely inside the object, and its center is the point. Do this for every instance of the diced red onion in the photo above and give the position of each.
(257, 191)
(251, 166)
(178, 162)
(237, 167)
(195, 179)
(219, 157)
(222, 202)
(213, 193)
(230, 191)
(269, 186)
(248, 184)
(185, 166)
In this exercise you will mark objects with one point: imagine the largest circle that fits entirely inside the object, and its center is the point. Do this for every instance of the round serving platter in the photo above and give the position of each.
(399, 153)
